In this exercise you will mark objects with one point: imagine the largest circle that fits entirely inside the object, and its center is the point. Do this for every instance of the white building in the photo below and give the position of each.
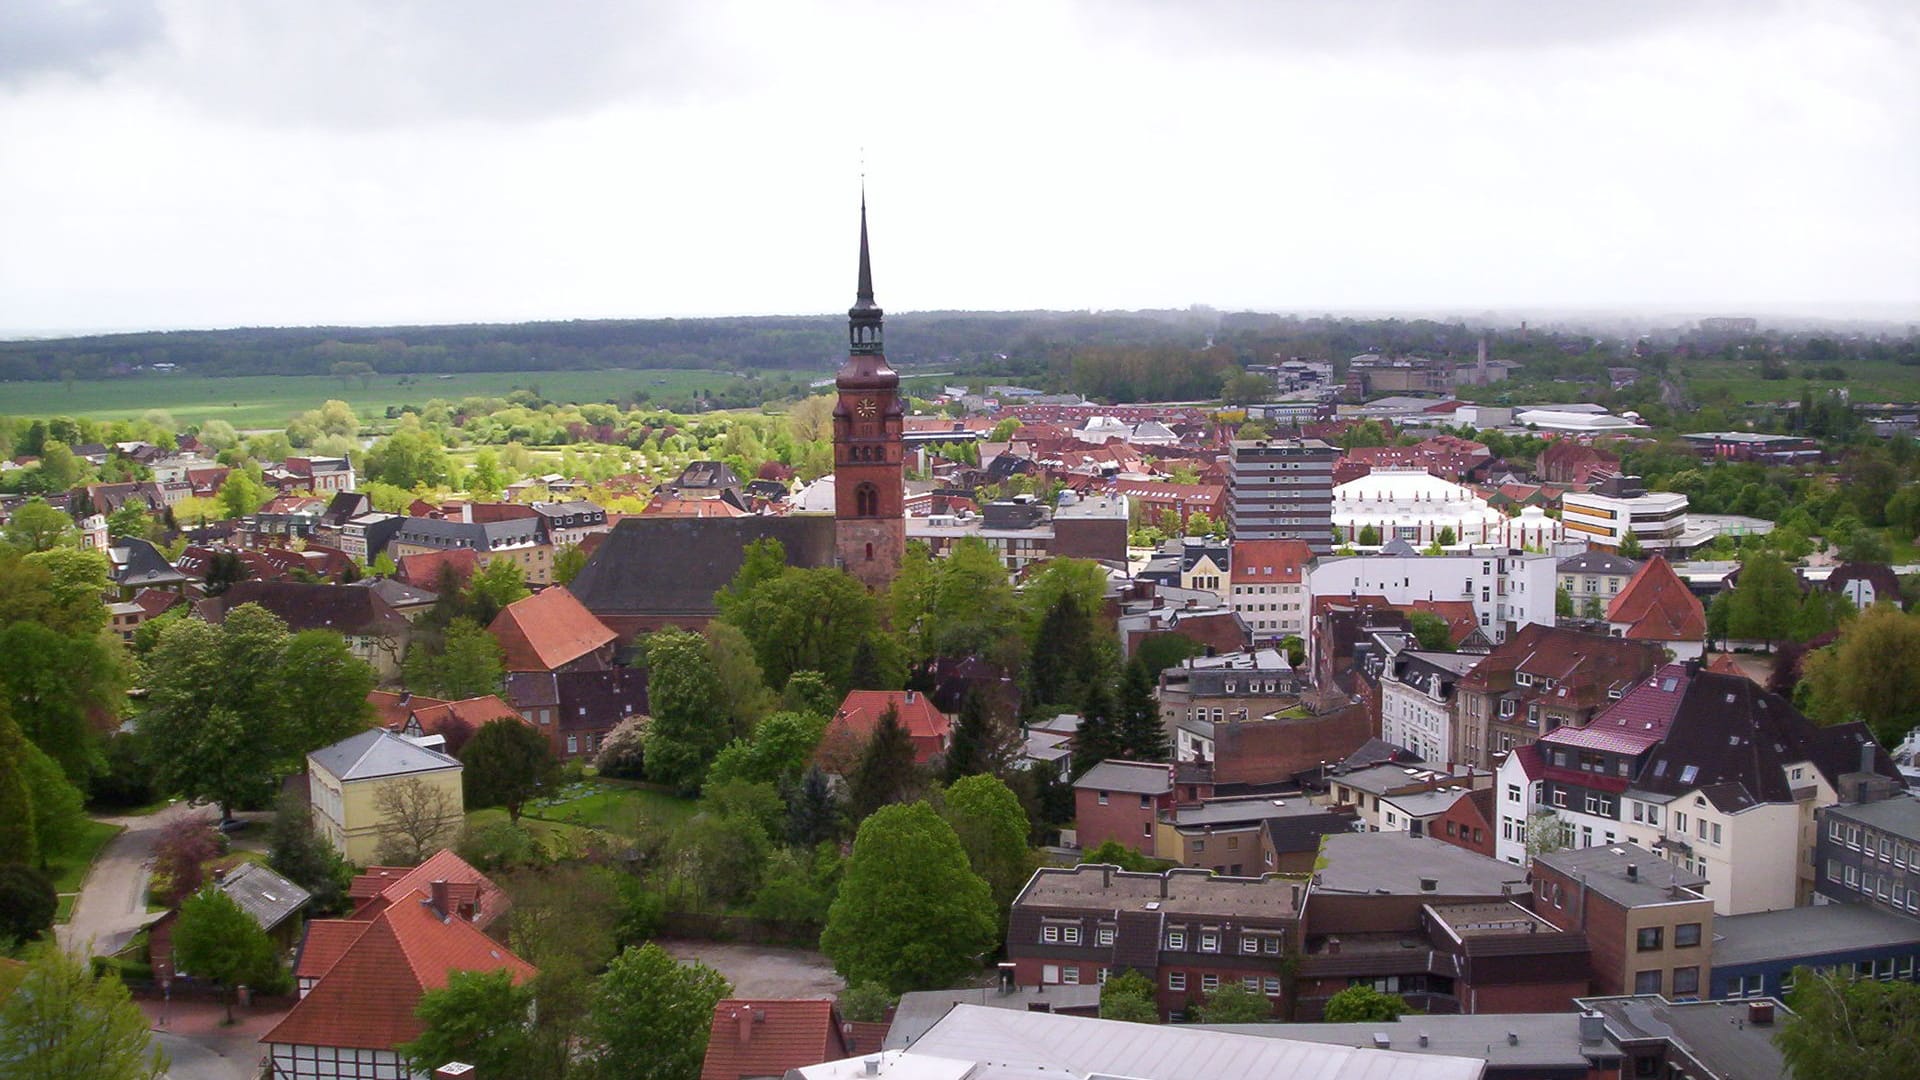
(1269, 580)
(1416, 700)
(1578, 423)
(1621, 505)
(1414, 505)
(1507, 591)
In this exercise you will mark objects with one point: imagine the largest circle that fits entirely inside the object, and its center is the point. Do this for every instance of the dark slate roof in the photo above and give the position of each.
(345, 506)
(582, 700)
(1733, 740)
(668, 566)
(1598, 562)
(344, 609)
(480, 536)
(264, 895)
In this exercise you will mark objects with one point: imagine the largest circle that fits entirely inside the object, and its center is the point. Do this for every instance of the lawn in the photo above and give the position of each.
(266, 401)
(69, 870)
(611, 804)
(65, 911)
(1741, 382)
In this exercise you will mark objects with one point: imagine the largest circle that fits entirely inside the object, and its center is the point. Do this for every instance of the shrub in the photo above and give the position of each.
(623, 754)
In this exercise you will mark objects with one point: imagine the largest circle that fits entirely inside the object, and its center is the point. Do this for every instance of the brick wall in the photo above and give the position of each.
(1265, 751)
(1122, 819)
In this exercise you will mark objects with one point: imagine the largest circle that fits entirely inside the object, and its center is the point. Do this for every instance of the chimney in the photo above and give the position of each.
(1513, 1038)
(1633, 872)
(442, 899)
(1333, 946)
(1428, 884)
(870, 1065)
(743, 1019)
(1593, 1027)
(219, 876)
(454, 1070)
(1423, 1039)
(1760, 1013)
(1382, 1041)
(1866, 757)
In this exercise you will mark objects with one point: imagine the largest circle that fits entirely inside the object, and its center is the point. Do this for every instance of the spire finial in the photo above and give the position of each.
(864, 290)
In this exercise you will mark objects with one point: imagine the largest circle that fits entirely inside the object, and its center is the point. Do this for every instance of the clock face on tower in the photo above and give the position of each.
(867, 408)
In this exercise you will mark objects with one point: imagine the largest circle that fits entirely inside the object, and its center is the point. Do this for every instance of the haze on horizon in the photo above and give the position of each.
(183, 163)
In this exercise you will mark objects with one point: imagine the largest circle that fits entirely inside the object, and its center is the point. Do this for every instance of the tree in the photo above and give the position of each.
(1245, 388)
(623, 752)
(27, 903)
(776, 754)
(61, 1023)
(885, 772)
(866, 1003)
(1369, 536)
(417, 818)
(499, 583)
(59, 810)
(297, 852)
(132, 518)
(1233, 1003)
(179, 859)
(466, 662)
(485, 481)
(1098, 737)
(981, 742)
(18, 838)
(1063, 654)
(1447, 537)
(1129, 996)
(217, 435)
(685, 695)
(216, 939)
(651, 1015)
(1431, 631)
(225, 569)
(480, 1018)
(1142, 736)
(1630, 547)
(911, 913)
(507, 762)
(807, 620)
(242, 493)
(1764, 605)
(567, 564)
(36, 526)
(1547, 831)
(411, 457)
(810, 693)
(1871, 673)
(986, 816)
(744, 697)
(1364, 1004)
(1847, 1028)
(814, 814)
(1562, 603)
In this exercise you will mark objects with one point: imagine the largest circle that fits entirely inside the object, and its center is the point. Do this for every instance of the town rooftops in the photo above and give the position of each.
(1605, 870)
(1002, 1044)
(343, 609)
(548, 630)
(378, 886)
(1808, 931)
(860, 714)
(1714, 1034)
(921, 1009)
(1598, 562)
(1657, 606)
(1545, 1041)
(375, 753)
(1132, 777)
(1388, 777)
(1899, 815)
(476, 536)
(666, 566)
(1180, 891)
(1638, 720)
(265, 896)
(1400, 864)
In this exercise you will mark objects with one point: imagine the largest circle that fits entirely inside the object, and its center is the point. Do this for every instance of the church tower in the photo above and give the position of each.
(868, 486)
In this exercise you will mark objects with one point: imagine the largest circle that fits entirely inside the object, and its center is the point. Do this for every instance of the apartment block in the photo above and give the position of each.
(1282, 489)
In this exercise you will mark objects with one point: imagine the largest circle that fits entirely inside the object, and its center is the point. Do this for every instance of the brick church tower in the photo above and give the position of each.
(868, 485)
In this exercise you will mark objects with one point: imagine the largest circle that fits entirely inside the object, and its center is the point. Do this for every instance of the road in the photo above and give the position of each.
(112, 905)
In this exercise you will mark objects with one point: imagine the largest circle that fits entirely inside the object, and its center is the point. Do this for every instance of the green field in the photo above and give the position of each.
(611, 804)
(266, 401)
(1711, 380)
(68, 870)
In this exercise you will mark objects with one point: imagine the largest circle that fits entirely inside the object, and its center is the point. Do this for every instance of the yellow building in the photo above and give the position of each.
(346, 780)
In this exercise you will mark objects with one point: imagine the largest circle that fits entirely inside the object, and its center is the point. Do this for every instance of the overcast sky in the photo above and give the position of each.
(204, 164)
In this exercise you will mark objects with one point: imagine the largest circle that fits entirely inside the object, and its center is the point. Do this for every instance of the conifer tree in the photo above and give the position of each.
(885, 773)
(813, 813)
(977, 738)
(1142, 735)
(1062, 652)
(1099, 735)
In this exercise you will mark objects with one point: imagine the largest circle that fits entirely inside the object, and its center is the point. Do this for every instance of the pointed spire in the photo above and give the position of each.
(864, 318)
(864, 291)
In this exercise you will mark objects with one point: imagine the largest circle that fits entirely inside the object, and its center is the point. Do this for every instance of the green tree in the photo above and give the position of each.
(777, 753)
(1099, 735)
(1064, 659)
(499, 583)
(131, 519)
(866, 1003)
(1562, 603)
(1630, 547)
(507, 762)
(651, 1016)
(1233, 1003)
(297, 852)
(1129, 996)
(27, 903)
(225, 569)
(992, 828)
(216, 939)
(814, 813)
(1845, 1028)
(484, 480)
(810, 693)
(567, 564)
(1246, 388)
(1871, 673)
(1142, 736)
(1369, 536)
(61, 1023)
(684, 694)
(744, 697)
(1431, 631)
(981, 742)
(36, 526)
(806, 620)
(1361, 1004)
(59, 468)
(59, 810)
(217, 435)
(1447, 537)
(1114, 853)
(465, 662)
(1547, 831)
(18, 838)
(481, 1018)
(885, 772)
(911, 913)
(242, 493)
(409, 458)
(1765, 604)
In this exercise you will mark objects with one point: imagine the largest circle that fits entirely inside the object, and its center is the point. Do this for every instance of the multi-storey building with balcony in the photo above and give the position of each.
(1282, 489)
(1189, 931)
(1622, 505)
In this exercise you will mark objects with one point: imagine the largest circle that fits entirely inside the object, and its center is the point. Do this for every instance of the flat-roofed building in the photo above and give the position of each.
(1282, 489)
(1649, 927)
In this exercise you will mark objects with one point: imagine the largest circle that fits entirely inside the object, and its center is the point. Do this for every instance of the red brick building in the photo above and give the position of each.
(1468, 823)
(552, 631)
(1121, 800)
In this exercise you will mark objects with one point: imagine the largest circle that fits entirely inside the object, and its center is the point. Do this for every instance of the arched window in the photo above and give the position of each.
(866, 500)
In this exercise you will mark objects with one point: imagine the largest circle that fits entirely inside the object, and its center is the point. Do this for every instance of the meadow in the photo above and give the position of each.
(1736, 382)
(267, 401)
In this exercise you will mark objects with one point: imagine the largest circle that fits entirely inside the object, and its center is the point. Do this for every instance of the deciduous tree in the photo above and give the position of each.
(466, 661)
(1871, 673)
(1844, 1028)
(216, 939)
(1129, 996)
(507, 762)
(651, 1015)
(481, 1018)
(1364, 1004)
(992, 829)
(297, 852)
(911, 913)
(36, 526)
(61, 1023)
(27, 903)
(684, 694)
(416, 819)
(1233, 1003)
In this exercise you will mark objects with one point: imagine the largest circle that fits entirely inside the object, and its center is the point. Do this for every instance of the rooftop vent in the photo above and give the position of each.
(1382, 1041)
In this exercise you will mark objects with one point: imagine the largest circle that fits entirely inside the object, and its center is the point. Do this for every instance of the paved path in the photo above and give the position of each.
(113, 899)
(202, 1046)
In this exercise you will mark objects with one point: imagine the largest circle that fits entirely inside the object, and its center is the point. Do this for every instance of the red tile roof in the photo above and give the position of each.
(1270, 562)
(366, 999)
(382, 886)
(456, 721)
(391, 709)
(860, 713)
(758, 1038)
(547, 631)
(1657, 606)
(422, 571)
(325, 942)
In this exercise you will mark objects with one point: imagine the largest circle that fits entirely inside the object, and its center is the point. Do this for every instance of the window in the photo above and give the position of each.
(1716, 832)
(1102, 976)
(1649, 939)
(1209, 983)
(1050, 933)
(1686, 935)
(1104, 935)
(1177, 940)
(1233, 842)
(1271, 946)
(1686, 981)
(1209, 941)
(1251, 982)
(1271, 984)
(1647, 982)
(1176, 980)
(1146, 802)
(1070, 935)
(573, 744)
(1103, 798)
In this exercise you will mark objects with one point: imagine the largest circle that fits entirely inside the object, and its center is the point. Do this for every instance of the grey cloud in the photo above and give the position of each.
(76, 37)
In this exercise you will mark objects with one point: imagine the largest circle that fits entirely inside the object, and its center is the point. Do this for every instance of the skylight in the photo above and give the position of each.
(1687, 774)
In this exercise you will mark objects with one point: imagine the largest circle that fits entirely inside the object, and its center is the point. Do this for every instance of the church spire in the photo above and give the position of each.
(863, 330)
